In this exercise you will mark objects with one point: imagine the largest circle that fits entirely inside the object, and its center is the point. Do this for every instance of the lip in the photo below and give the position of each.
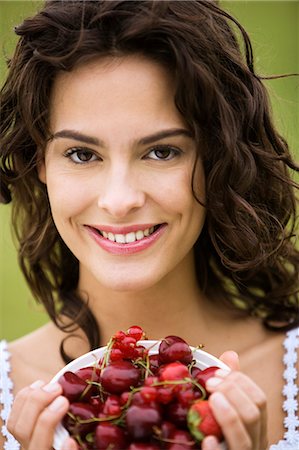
(125, 249)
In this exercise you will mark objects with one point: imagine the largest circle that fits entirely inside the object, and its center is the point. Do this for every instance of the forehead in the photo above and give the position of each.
(130, 93)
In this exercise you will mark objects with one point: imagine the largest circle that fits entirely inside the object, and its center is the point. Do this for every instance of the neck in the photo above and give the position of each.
(173, 306)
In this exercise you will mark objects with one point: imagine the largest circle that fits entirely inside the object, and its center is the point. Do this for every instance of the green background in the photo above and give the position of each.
(274, 30)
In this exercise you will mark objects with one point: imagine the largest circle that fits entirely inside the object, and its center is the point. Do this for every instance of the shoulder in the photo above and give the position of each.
(35, 356)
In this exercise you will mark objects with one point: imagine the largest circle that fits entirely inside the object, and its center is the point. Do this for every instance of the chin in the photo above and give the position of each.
(129, 284)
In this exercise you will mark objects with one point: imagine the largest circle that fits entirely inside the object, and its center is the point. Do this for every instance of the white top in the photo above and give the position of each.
(290, 391)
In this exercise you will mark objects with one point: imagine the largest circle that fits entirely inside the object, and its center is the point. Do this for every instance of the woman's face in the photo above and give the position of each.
(118, 172)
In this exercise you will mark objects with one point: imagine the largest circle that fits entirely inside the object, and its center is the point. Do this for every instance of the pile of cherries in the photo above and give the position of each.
(134, 400)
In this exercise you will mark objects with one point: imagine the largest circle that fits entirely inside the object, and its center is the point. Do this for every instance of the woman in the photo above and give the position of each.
(149, 186)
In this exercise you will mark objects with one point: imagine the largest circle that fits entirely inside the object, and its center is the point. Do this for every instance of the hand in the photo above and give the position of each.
(36, 412)
(239, 407)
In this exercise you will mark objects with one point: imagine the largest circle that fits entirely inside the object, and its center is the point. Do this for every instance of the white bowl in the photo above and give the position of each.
(203, 360)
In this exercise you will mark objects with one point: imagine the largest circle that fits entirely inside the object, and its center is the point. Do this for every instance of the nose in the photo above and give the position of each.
(121, 193)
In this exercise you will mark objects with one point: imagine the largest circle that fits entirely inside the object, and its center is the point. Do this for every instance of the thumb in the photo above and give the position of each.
(231, 359)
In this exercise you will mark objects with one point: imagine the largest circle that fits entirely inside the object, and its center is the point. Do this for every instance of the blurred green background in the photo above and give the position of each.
(274, 30)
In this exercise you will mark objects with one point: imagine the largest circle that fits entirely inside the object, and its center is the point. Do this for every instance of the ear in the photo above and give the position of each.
(41, 170)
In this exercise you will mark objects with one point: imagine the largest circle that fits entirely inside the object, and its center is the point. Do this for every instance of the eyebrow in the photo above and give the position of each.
(81, 137)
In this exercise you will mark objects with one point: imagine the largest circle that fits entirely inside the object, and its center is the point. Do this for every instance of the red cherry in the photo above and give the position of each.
(118, 337)
(120, 376)
(177, 414)
(109, 436)
(185, 396)
(202, 376)
(140, 352)
(174, 371)
(174, 348)
(149, 394)
(90, 373)
(166, 430)
(72, 386)
(140, 420)
(80, 412)
(112, 406)
(136, 332)
(165, 394)
(149, 381)
(138, 399)
(182, 440)
(143, 446)
(154, 363)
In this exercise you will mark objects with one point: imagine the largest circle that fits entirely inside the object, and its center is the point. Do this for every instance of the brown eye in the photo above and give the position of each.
(80, 155)
(163, 153)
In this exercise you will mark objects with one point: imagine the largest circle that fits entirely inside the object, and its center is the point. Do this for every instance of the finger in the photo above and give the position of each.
(247, 410)
(234, 431)
(69, 444)
(253, 391)
(248, 400)
(36, 400)
(18, 404)
(42, 437)
(210, 443)
(231, 359)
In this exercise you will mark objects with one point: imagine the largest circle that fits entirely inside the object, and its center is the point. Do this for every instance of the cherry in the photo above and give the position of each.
(202, 376)
(136, 332)
(185, 396)
(138, 399)
(90, 373)
(72, 385)
(149, 394)
(112, 406)
(120, 376)
(140, 420)
(80, 412)
(140, 352)
(154, 363)
(166, 430)
(116, 354)
(177, 414)
(165, 394)
(181, 440)
(174, 371)
(109, 436)
(143, 446)
(174, 348)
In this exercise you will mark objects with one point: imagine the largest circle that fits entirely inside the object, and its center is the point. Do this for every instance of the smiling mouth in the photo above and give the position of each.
(128, 238)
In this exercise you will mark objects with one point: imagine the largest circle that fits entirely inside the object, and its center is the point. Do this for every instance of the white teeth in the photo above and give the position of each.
(129, 237)
(139, 235)
(111, 237)
(120, 238)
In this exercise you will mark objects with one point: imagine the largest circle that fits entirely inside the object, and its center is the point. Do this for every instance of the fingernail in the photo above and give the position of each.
(52, 387)
(37, 384)
(209, 443)
(213, 382)
(69, 444)
(57, 404)
(219, 401)
(222, 373)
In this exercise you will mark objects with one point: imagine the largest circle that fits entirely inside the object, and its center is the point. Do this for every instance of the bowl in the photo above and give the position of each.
(202, 358)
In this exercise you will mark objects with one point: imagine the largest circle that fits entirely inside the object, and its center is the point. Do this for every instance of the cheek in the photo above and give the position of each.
(66, 196)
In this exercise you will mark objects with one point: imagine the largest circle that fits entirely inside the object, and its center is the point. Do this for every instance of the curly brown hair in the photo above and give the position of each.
(246, 256)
